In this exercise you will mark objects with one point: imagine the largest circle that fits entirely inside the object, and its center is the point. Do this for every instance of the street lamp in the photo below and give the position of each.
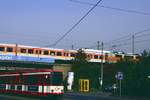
(101, 78)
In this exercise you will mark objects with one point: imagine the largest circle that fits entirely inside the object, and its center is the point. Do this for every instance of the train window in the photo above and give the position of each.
(32, 79)
(72, 55)
(40, 52)
(120, 56)
(129, 57)
(57, 78)
(59, 53)
(37, 52)
(12, 87)
(2, 48)
(95, 56)
(30, 51)
(52, 53)
(100, 57)
(9, 49)
(3, 80)
(45, 52)
(106, 56)
(66, 54)
(23, 50)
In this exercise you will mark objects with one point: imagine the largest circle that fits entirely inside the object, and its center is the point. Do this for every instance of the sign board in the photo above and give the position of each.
(70, 80)
(119, 76)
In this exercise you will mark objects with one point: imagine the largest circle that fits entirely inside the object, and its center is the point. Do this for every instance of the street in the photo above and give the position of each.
(67, 96)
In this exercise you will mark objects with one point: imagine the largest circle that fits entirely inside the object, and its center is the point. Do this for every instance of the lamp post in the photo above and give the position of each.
(101, 78)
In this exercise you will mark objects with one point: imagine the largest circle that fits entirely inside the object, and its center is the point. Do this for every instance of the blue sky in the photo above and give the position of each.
(42, 22)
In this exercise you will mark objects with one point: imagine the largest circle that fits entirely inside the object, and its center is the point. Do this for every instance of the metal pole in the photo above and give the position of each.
(120, 89)
(16, 50)
(133, 44)
(98, 45)
(102, 67)
(72, 47)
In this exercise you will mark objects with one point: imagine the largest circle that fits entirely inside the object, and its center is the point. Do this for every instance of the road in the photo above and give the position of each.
(67, 96)
(77, 96)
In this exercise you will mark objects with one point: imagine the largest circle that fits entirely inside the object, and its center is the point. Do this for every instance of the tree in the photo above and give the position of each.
(81, 56)
(145, 53)
(136, 81)
(85, 70)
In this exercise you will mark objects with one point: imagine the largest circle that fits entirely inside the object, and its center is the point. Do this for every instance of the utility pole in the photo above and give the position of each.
(16, 50)
(101, 82)
(72, 47)
(133, 44)
(98, 45)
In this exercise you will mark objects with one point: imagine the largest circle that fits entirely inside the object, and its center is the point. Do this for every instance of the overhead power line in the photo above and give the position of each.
(143, 35)
(127, 37)
(78, 22)
(113, 8)
(137, 33)
(140, 41)
(128, 43)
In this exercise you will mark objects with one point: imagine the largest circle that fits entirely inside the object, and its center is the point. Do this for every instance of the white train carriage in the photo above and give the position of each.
(50, 55)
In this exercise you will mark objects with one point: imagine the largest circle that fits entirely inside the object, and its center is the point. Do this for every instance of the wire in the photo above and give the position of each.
(123, 41)
(142, 31)
(129, 43)
(78, 22)
(147, 40)
(127, 37)
(143, 35)
(113, 8)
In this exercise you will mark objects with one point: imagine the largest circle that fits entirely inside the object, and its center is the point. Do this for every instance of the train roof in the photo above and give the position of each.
(26, 72)
(45, 48)
(26, 46)
(4, 44)
(95, 51)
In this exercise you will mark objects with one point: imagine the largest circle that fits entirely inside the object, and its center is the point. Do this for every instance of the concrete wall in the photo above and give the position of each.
(65, 67)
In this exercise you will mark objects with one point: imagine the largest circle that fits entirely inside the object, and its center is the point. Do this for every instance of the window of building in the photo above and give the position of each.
(30, 51)
(2, 49)
(52, 53)
(45, 52)
(23, 50)
(59, 53)
(9, 49)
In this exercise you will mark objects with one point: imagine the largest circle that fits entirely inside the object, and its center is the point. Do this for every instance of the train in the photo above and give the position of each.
(34, 82)
(50, 55)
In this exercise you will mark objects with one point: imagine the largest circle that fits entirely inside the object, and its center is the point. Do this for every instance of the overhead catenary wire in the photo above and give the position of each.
(128, 43)
(127, 37)
(125, 40)
(143, 35)
(140, 41)
(137, 33)
(124, 44)
(78, 22)
(113, 8)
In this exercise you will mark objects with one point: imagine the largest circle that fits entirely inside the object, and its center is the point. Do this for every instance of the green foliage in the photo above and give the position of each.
(136, 81)
(145, 53)
(85, 70)
(81, 56)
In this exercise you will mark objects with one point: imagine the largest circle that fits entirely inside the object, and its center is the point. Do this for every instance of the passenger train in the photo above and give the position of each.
(50, 55)
(35, 82)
